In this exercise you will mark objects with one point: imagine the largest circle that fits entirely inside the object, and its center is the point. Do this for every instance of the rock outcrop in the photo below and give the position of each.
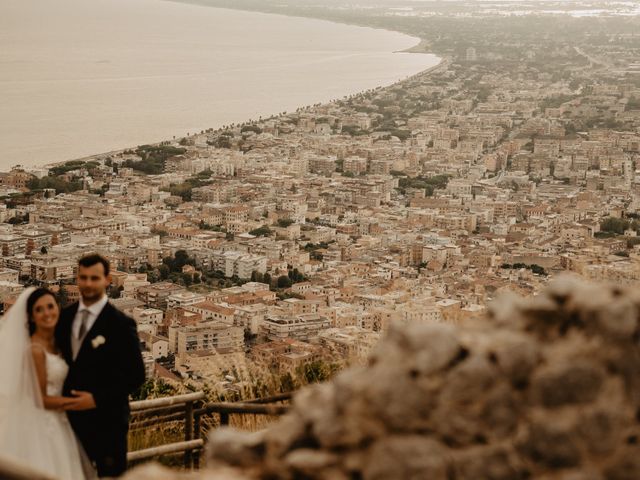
(544, 388)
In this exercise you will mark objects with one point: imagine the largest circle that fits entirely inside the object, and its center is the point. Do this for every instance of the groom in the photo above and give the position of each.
(102, 348)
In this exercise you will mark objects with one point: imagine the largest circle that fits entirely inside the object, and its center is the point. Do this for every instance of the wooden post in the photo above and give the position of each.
(224, 418)
(197, 434)
(188, 432)
(190, 409)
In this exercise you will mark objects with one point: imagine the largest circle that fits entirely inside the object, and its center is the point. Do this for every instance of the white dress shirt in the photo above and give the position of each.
(94, 311)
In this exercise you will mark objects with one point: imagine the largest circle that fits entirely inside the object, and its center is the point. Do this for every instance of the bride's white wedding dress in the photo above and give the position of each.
(64, 455)
(38, 439)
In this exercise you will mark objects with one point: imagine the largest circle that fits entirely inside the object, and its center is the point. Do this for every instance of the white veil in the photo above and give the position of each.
(29, 435)
(21, 411)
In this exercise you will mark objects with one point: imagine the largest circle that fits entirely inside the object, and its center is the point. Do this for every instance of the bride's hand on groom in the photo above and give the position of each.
(81, 401)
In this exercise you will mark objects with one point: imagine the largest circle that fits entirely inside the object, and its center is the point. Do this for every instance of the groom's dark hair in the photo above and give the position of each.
(93, 259)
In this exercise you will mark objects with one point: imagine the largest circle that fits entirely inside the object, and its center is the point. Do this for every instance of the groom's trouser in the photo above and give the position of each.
(111, 459)
(105, 442)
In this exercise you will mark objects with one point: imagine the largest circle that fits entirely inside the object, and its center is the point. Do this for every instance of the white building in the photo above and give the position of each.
(205, 336)
(302, 327)
(184, 299)
(238, 263)
(148, 319)
(149, 364)
(156, 345)
(250, 317)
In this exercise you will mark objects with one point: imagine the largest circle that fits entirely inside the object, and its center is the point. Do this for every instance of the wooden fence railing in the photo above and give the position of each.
(191, 409)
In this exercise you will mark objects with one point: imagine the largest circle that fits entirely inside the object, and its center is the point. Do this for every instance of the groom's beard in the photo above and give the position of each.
(91, 295)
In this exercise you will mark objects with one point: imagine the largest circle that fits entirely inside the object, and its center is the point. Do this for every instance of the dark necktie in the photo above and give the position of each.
(82, 331)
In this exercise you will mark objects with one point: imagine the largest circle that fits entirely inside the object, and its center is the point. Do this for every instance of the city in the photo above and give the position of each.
(258, 257)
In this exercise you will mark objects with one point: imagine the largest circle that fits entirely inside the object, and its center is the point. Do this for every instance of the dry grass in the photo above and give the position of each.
(160, 434)
(252, 380)
(170, 432)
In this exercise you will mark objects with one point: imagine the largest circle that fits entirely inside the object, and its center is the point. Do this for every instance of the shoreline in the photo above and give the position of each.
(419, 47)
(420, 41)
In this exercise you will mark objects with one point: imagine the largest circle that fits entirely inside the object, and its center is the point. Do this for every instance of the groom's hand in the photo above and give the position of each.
(84, 401)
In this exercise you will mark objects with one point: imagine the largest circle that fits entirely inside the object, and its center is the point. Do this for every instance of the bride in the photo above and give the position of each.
(34, 430)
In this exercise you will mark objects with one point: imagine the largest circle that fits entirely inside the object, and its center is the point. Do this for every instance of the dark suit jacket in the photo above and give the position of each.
(110, 371)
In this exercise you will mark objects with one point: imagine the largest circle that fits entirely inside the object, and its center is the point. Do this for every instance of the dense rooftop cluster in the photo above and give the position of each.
(293, 242)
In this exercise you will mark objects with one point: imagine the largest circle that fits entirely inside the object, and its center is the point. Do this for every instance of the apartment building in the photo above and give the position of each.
(205, 336)
(302, 327)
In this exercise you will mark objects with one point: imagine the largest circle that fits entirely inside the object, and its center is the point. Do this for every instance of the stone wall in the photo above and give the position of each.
(544, 388)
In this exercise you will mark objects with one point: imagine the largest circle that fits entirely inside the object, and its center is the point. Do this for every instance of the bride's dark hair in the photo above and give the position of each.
(37, 294)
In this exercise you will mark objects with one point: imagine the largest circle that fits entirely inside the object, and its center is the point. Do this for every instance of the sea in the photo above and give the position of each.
(83, 77)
